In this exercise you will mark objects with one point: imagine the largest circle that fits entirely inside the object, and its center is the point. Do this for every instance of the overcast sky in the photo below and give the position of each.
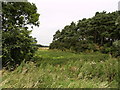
(55, 14)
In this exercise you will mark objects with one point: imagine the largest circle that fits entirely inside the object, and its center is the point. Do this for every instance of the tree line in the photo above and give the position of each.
(99, 33)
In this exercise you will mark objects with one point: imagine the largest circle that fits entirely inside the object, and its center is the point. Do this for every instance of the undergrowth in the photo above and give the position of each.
(58, 69)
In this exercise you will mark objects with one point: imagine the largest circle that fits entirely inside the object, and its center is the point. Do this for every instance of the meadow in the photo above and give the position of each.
(60, 69)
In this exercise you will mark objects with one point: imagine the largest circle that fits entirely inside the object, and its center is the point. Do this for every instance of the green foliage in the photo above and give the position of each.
(17, 43)
(116, 48)
(59, 69)
(93, 34)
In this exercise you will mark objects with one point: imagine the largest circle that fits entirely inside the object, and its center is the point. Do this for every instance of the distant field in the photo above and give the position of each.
(57, 69)
(43, 48)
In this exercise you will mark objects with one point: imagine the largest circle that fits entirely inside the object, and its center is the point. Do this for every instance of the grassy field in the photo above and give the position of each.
(58, 69)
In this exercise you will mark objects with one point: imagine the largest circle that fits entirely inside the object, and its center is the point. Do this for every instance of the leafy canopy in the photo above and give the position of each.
(17, 43)
(93, 34)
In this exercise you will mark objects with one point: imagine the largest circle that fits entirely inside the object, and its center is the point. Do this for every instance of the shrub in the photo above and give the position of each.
(116, 48)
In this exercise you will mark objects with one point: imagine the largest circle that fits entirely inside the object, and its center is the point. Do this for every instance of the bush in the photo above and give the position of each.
(16, 48)
(116, 49)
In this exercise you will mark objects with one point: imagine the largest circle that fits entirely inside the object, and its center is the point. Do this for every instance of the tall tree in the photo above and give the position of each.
(17, 43)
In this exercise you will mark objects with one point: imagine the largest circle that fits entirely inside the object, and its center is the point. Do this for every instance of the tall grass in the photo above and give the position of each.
(57, 69)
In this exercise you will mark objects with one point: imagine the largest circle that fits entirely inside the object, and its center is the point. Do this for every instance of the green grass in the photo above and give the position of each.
(57, 69)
